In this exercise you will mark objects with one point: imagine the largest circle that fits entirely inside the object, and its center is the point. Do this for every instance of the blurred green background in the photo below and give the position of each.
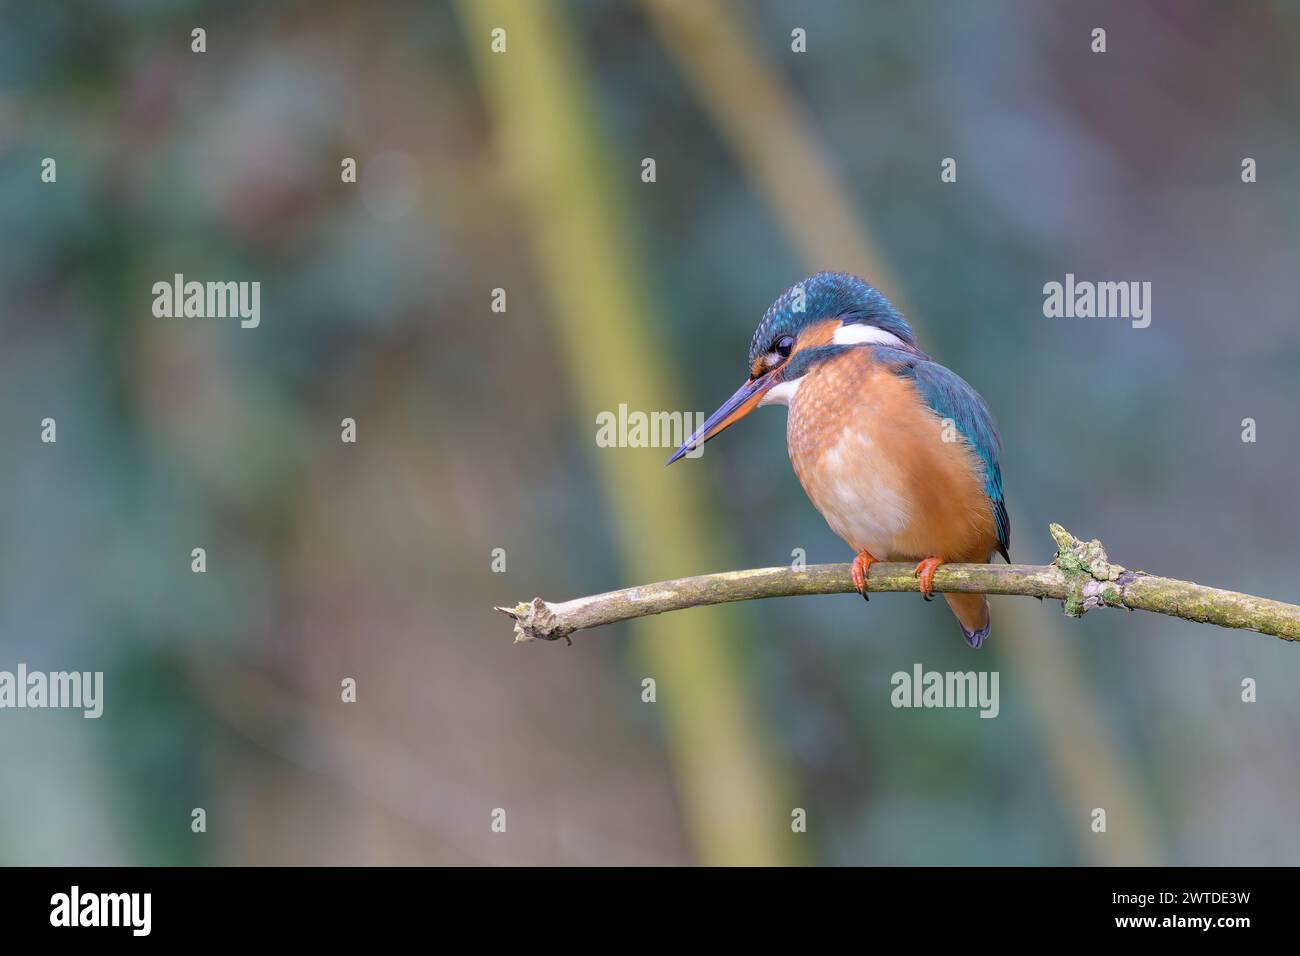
(476, 429)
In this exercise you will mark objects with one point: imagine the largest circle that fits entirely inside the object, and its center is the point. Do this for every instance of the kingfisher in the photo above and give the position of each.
(899, 454)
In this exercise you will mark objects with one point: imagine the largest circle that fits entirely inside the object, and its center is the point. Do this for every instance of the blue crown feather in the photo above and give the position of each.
(827, 295)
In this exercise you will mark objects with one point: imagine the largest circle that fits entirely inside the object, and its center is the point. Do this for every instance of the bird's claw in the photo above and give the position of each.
(926, 570)
(861, 567)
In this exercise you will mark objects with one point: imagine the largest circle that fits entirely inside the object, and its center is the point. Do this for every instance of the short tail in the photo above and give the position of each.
(972, 612)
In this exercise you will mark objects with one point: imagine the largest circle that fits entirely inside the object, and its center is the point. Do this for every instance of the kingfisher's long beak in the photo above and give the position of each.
(733, 410)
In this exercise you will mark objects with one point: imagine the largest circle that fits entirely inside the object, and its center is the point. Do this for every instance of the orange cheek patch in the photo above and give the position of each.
(819, 333)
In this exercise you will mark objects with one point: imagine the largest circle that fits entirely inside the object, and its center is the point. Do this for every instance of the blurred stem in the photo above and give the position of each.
(766, 128)
(733, 795)
(774, 144)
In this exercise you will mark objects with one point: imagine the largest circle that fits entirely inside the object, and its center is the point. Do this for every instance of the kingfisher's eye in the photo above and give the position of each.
(784, 346)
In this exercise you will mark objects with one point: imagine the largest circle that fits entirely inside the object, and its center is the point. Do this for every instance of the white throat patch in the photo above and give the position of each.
(781, 394)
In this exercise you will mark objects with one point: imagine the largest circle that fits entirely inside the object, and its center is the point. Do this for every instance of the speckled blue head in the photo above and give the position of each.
(827, 295)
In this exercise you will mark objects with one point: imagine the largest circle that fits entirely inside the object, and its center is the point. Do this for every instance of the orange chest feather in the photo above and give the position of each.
(882, 468)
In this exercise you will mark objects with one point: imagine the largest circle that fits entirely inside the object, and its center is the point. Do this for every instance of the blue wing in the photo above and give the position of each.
(951, 397)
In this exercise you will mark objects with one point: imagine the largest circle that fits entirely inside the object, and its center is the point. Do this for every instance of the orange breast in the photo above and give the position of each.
(882, 468)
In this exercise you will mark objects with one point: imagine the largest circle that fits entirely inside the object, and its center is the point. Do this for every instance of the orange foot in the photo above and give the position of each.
(926, 569)
(861, 565)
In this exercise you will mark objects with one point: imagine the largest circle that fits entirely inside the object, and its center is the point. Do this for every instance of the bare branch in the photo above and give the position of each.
(1080, 577)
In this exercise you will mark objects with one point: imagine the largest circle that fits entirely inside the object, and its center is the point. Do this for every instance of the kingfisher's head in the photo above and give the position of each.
(809, 323)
